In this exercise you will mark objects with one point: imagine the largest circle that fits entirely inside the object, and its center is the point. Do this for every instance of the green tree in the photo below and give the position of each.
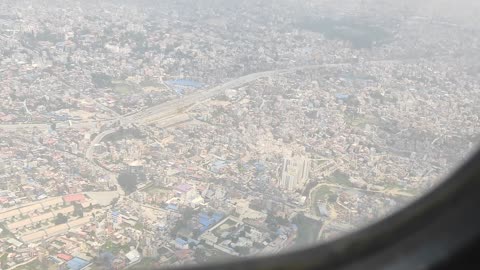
(188, 213)
(128, 182)
(60, 219)
(101, 80)
(77, 210)
(114, 202)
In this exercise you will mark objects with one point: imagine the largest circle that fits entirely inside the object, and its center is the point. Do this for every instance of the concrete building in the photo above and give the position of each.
(295, 172)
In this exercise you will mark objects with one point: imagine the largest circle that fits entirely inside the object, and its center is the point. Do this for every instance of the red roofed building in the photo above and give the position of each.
(183, 254)
(70, 198)
(64, 257)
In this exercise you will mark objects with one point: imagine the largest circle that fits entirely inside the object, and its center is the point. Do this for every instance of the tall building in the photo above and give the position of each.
(295, 172)
(42, 255)
(135, 167)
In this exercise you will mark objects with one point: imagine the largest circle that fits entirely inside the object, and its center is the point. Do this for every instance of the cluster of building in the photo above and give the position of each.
(329, 135)
(36, 165)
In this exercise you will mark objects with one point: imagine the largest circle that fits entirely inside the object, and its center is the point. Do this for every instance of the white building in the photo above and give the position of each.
(295, 172)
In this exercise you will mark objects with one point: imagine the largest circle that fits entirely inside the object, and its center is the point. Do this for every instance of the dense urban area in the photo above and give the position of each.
(137, 134)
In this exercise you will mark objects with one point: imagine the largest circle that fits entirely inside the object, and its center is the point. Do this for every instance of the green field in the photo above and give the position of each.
(152, 190)
(322, 193)
(227, 226)
(340, 178)
(401, 188)
(123, 88)
(114, 248)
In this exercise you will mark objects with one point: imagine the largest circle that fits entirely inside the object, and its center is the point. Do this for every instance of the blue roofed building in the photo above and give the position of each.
(77, 263)
(206, 221)
(185, 82)
(181, 243)
(172, 207)
(342, 96)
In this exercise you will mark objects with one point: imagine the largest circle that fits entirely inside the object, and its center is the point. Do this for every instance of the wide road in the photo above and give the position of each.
(173, 107)
(97, 140)
(169, 108)
(59, 125)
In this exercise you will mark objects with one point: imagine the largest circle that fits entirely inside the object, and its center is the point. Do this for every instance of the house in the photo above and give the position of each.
(64, 257)
(180, 243)
(71, 198)
(133, 256)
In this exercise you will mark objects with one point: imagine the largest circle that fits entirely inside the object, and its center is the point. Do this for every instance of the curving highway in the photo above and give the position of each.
(167, 110)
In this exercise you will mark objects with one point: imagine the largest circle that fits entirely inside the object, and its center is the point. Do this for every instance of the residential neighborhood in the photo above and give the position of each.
(145, 134)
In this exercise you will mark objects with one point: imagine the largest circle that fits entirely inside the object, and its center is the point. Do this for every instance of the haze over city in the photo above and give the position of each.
(146, 134)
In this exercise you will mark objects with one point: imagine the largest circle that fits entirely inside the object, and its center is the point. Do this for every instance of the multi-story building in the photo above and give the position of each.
(295, 172)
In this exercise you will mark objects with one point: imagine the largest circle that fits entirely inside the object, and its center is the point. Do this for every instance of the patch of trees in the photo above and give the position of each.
(101, 80)
(361, 35)
(60, 219)
(341, 177)
(273, 222)
(46, 35)
(77, 210)
(242, 250)
(128, 182)
(180, 224)
(124, 133)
